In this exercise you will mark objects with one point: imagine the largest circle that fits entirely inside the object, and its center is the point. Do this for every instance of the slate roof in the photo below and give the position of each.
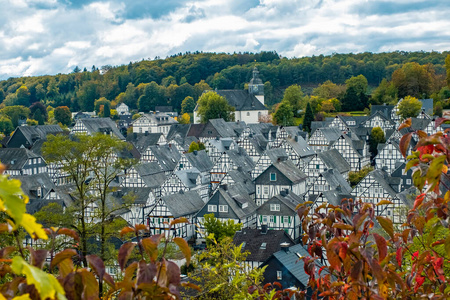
(238, 127)
(288, 169)
(319, 124)
(386, 181)
(331, 134)
(188, 177)
(427, 106)
(143, 140)
(244, 178)
(259, 142)
(300, 146)
(241, 159)
(180, 130)
(385, 110)
(335, 196)
(408, 196)
(34, 133)
(335, 179)
(166, 156)
(252, 239)
(277, 153)
(333, 159)
(223, 128)
(94, 125)
(16, 158)
(151, 173)
(289, 200)
(200, 160)
(241, 100)
(183, 203)
(291, 260)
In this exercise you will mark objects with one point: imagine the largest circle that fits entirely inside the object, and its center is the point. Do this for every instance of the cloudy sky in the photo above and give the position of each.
(53, 36)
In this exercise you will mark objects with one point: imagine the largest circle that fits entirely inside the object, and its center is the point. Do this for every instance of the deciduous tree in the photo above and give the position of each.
(213, 106)
(409, 107)
(63, 115)
(284, 115)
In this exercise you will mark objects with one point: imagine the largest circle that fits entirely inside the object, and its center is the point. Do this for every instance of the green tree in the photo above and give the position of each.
(376, 137)
(284, 115)
(102, 107)
(384, 93)
(413, 80)
(200, 88)
(63, 115)
(438, 109)
(308, 118)
(151, 97)
(39, 106)
(409, 107)
(52, 89)
(38, 117)
(328, 90)
(15, 113)
(359, 83)
(294, 96)
(185, 119)
(188, 105)
(354, 177)
(213, 106)
(447, 68)
(218, 230)
(6, 126)
(351, 100)
(23, 96)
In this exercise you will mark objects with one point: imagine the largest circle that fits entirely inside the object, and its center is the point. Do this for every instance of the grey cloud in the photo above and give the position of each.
(194, 13)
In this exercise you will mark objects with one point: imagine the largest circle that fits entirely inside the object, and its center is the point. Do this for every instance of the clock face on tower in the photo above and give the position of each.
(255, 88)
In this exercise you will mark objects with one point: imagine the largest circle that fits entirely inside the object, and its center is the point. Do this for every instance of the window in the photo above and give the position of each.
(248, 114)
(212, 208)
(223, 208)
(274, 207)
(317, 167)
(273, 177)
(266, 190)
(279, 275)
(263, 246)
(286, 219)
(408, 181)
(264, 219)
(271, 219)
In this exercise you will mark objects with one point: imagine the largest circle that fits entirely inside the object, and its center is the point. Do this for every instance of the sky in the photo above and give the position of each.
(39, 37)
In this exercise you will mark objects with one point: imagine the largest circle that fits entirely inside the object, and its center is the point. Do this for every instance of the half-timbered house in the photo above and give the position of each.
(153, 123)
(228, 203)
(93, 126)
(388, 156)
(279, 176)
(322, 138)
(21, 161)
(167, 208)
(354, 151)
(299, 152)
(279, 213)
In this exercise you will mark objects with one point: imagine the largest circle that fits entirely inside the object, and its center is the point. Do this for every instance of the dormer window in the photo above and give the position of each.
(263, 246)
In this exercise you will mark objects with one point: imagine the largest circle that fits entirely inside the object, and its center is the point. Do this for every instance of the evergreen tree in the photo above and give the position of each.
(309, 117)
(38, 117)
(350, 100)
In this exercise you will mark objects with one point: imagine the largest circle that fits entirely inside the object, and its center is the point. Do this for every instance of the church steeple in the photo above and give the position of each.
(256, 86)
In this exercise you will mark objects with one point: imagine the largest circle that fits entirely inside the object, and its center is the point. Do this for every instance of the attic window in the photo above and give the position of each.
(279, 275)
(273, 177)
(263, 246)
(274, 207)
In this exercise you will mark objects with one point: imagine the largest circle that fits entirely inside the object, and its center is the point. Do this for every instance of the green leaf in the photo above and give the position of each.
(46, 284)
(387, 225)
(184, 247)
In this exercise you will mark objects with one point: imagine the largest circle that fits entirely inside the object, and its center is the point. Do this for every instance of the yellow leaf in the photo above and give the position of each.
(46, 284)
(444, 169)
(23, 297)
(33, 228)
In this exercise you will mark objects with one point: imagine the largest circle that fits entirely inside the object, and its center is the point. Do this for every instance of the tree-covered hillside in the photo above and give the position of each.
(169, 81)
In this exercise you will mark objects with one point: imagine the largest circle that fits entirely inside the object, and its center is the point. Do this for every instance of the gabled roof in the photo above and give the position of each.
(385, 180)
(224, 130)
(335, 197)
(166, 155)
(290, 259)
(151, 173)
(143, 140)
(95, 125)
(289, 200)
(276, 154)
(15, 158)
(259, 142)
(252, 240)
(244, 179)
(200, 160)
(427, 106)
(183, 203)
(139, 195)
(335, 180)
(288, 169)
(188, 177)
(319, 124)
(385, 110)
(238, 127)
(331, 134)
(241, 159)
(34, 133)
(382, 116)
(333, 159)
(180, 130)
(300, 146)
(241, 100)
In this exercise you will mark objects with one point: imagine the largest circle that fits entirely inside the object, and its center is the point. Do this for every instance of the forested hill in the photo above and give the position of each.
(168, 81)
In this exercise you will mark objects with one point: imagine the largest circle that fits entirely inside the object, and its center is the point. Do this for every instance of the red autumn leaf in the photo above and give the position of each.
(399, 256)
(404, 143)
(405, 124)
(415, 255)
(343, 250)
(419, 200)
(419, 281)
(124, 253)
(427, 149)
(96, 263)
(126, 230)
(69, 232)
(381, 245)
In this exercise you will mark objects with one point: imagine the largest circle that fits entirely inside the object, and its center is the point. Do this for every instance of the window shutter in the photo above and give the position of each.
(281, 218)
(274, 219)
(289, 220)
(260, 219)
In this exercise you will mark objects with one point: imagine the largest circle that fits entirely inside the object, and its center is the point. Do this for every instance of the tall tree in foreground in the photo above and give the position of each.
(309, 117)
(213, 106)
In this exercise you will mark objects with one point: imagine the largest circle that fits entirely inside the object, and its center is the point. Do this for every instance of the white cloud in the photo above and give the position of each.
(48, 37)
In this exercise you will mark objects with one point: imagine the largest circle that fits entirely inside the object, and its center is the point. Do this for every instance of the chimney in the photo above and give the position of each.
(195, 152)
(135, 135)
(283, 193)
(146, 133)
(264, 229)
(296, 138)
(224, 186)
(284, 246)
